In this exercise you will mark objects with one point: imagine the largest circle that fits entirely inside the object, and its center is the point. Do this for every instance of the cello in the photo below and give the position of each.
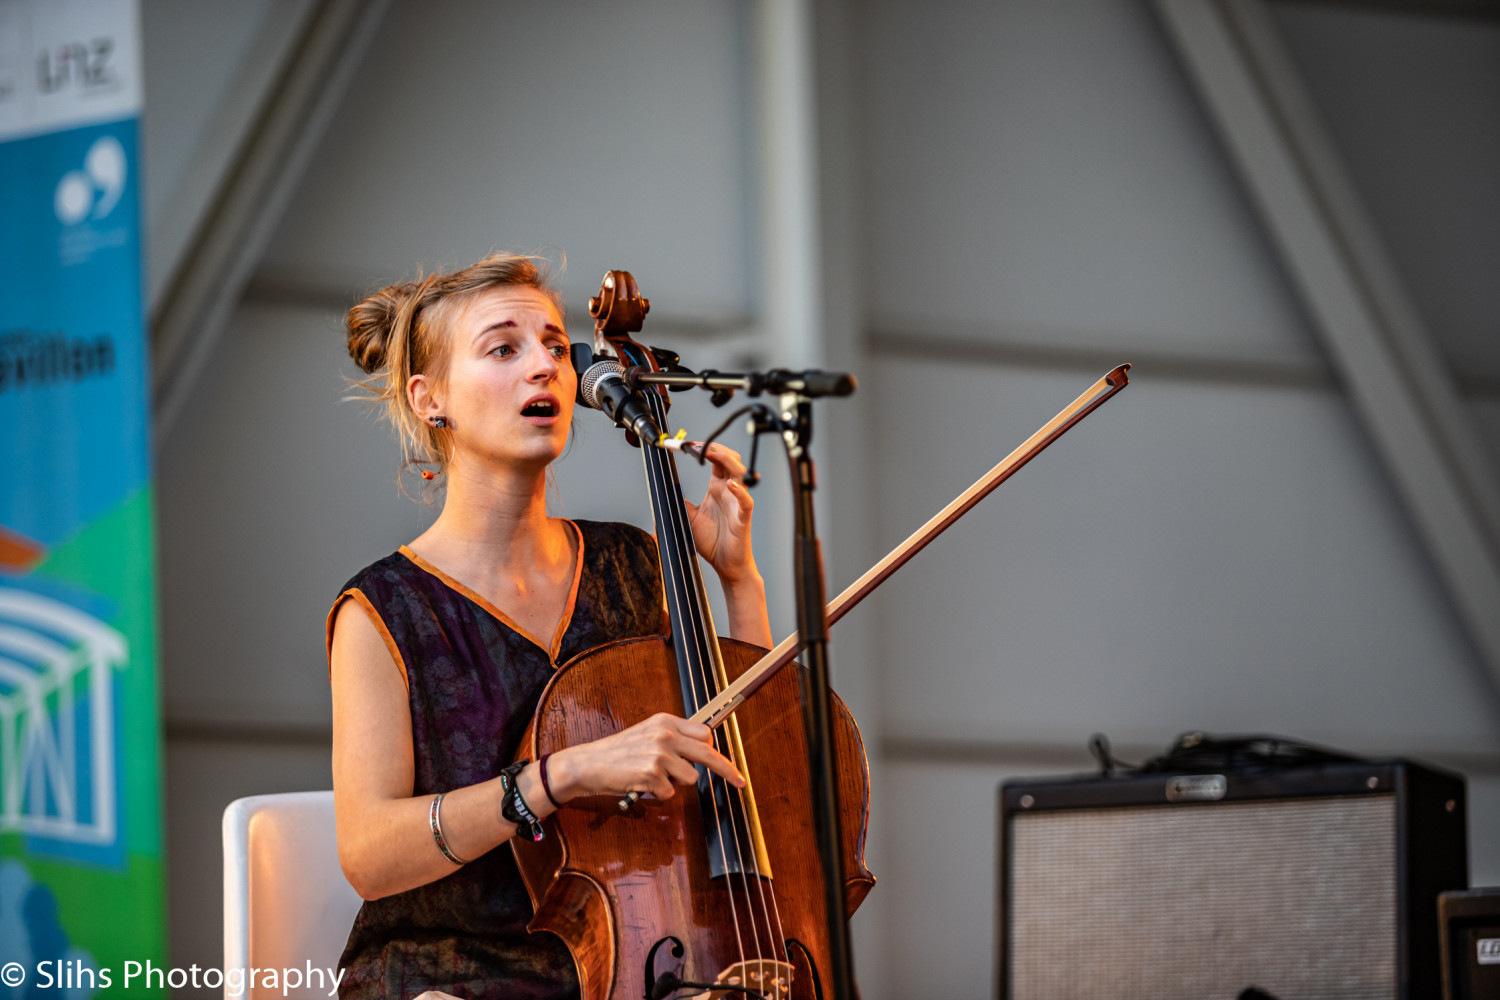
(726, 884)
(719, 892)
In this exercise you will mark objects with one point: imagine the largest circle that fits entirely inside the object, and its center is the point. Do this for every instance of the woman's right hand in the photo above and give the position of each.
(648, 758)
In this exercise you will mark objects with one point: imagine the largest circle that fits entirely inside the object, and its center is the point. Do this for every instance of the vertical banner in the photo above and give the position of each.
(80, 823)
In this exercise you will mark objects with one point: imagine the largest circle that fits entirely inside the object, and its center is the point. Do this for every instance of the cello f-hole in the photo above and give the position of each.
(652, 980)
(810, 975)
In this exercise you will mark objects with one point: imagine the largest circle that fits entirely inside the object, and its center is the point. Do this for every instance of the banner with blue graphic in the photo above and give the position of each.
(80, 825)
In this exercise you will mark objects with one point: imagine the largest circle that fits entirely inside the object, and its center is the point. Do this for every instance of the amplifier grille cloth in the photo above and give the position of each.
(1197, 902)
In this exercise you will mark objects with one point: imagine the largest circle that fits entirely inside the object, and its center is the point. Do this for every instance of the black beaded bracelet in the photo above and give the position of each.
(513, 807)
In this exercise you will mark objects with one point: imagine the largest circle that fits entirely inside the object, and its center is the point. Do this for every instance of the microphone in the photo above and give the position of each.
(811, 383)
(604, 387)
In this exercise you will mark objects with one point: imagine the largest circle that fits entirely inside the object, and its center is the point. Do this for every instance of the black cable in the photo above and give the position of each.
(667, 983)
(1197, 752)
(1255, 993)
(701, 452)
(1201, 753)
(1108, 762)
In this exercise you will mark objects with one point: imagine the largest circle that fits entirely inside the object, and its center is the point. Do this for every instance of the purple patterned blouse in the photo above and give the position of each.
(474, 677)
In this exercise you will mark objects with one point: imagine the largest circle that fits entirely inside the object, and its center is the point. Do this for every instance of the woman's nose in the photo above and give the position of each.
(546, 367)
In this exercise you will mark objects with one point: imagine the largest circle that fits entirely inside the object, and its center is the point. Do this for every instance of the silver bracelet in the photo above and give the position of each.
(435, 819)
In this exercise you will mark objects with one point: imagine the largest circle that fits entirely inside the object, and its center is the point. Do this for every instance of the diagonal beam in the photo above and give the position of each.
(1394, 374)
(196, 303)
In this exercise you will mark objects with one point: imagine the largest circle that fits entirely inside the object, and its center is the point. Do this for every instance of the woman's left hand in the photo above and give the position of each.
(721, 523)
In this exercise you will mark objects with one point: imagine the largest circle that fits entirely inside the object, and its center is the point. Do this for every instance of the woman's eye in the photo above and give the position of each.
(504, 350)
(559, 351)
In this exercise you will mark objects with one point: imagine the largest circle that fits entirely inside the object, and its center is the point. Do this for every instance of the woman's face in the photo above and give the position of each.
(509, 389)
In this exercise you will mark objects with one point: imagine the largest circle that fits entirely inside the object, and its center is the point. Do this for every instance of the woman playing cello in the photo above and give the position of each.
(439, 652)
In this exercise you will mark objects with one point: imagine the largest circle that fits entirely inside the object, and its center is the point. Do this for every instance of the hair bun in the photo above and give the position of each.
(369, 325)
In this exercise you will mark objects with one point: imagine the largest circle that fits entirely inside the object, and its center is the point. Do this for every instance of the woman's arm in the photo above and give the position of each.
(748, 619)
(384, 835)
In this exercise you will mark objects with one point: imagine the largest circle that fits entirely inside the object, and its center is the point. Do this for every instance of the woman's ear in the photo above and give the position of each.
(424, 399)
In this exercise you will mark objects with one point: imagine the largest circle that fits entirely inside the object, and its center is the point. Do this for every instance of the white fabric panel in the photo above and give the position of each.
(1190, 556)
(33, 32)
(1411, 103)
(620, 138)
(1041, 168)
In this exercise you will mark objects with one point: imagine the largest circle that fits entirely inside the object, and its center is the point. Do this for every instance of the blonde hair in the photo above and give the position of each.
(403, 330)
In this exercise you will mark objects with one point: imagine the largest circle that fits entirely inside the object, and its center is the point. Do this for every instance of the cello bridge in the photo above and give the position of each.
(764, 976)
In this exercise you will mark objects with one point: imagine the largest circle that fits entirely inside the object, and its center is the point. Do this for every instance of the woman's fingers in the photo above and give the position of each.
(726, 461)
(702, 753)
(746, 501)
(654, 754)
(680, 770)
(694, 742)
(728, 474)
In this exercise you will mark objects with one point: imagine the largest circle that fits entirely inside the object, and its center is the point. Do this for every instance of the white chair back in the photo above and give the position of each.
(287, 905)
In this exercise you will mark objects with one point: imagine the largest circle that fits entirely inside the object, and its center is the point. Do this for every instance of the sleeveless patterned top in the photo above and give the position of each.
(474, 678)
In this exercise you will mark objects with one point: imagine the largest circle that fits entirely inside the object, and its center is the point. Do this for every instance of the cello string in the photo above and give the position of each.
(678, 598)
(672, 562)
(721, 739)
(692, 601)
(771, 914)
(689, 599)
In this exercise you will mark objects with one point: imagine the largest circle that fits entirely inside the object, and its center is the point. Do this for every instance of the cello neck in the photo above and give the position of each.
(694, 639)
(734, 839)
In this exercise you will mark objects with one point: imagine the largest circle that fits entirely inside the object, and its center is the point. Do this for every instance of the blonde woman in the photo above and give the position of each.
(438, 652)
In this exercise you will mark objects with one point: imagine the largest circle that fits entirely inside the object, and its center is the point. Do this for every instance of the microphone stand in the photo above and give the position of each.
(812, 625)
(794, 423)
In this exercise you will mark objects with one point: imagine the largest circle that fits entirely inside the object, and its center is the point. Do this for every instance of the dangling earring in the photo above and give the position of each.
(440, 422)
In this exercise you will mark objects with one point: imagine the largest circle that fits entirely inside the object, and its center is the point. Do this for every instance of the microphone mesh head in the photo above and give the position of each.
(589, 387)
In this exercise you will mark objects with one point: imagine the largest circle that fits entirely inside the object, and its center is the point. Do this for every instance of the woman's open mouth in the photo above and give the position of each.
(542, 410)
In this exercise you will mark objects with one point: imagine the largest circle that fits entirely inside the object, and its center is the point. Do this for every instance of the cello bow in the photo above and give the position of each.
(724, 704)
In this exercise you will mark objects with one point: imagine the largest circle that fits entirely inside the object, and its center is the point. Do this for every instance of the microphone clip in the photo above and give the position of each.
(583, 357)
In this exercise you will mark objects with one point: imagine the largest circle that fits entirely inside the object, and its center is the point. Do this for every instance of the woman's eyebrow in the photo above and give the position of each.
(495, 326)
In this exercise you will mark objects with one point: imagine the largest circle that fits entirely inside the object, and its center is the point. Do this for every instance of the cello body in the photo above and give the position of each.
(632, 894)
(718, 891)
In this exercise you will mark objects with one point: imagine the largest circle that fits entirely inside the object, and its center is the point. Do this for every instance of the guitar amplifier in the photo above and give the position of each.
(1307, 882)
(1471, 944)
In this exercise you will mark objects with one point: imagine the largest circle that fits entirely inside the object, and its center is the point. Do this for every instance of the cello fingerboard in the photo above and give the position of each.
(727, 823)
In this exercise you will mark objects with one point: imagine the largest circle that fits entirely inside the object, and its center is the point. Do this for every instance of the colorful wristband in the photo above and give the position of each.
(514, 808)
